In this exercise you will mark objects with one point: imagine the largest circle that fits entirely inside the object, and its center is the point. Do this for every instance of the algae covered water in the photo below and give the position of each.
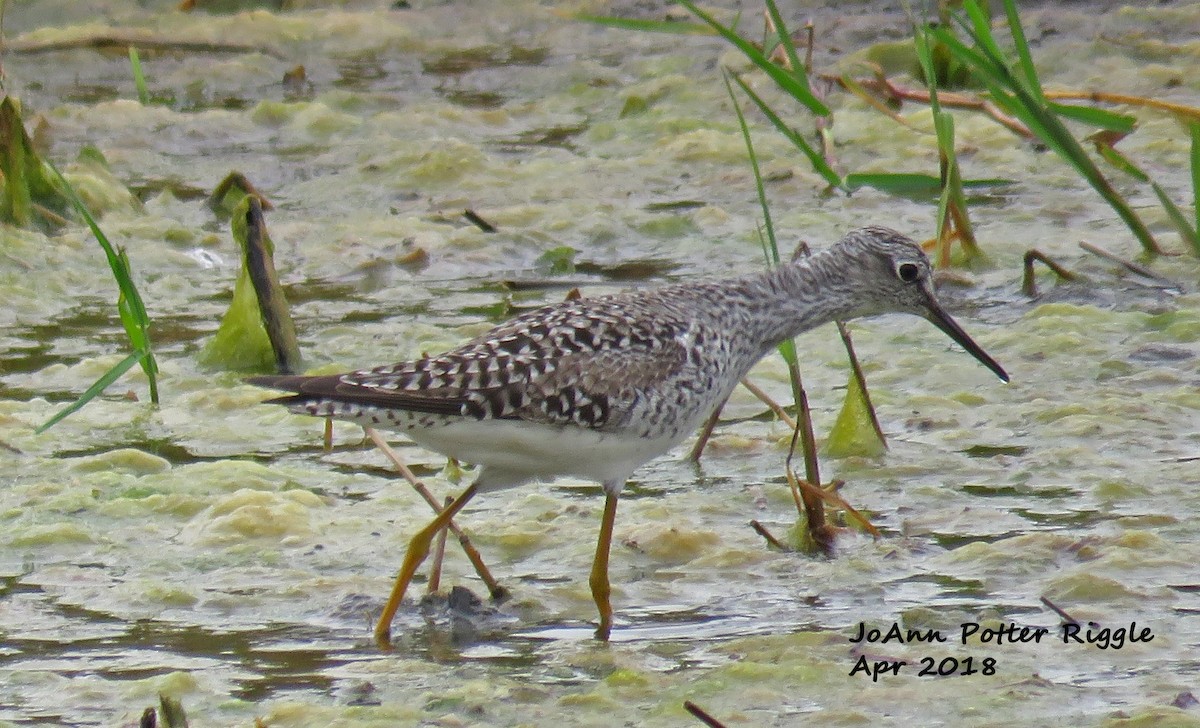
(211, 550)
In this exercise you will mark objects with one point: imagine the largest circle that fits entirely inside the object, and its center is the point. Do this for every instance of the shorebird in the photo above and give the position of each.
(596, 387)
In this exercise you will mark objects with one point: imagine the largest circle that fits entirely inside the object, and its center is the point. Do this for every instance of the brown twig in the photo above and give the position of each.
(478, 221)
(702, 715)
(774, 406)
(498, 592)
(1058, 610)
(122, 41)
(1190, 113)
(761, 530)
(829, 494)
(857, 89)
(705, 433)
(1028, 282)
(1128, 264)
(896, 93)
(439, 553)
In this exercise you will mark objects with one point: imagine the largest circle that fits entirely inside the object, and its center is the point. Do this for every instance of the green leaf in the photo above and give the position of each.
(1185, 230)
(650, 26)
(101, 384)
(814, 157)
(981, 29)
(1013, 97)
(139, 78)
(794, 82)
(129, 301)
(1109, 154)
(1024, 57)
(852, 433)
(896, 183)
(241, 342)
(787, 349)
(558, 261)
(1195, 132)
(785, 39)
(925, 58)
(1101, 118)
(770, 244)
(913, 184)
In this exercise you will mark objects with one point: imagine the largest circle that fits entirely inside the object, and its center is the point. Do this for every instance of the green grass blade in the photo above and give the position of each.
(980, 29)
(129, 301)
(1178, 219)
(1024, 57)
(914, 184)
(646, 26)
(129, 320)
(1109, 154)
(795, 84)
(1010, 94)
(118, 265)
(944, 125)
(925, 57)
(139, 78)
(814, 157)
(101, 384)
(770, 245)
(1195, 130)
(785, 40)
(1100, 118)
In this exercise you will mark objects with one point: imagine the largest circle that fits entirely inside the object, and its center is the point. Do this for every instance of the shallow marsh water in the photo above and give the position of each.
(210, 550)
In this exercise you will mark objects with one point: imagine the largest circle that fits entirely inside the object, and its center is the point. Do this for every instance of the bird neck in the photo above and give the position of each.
(801, 295)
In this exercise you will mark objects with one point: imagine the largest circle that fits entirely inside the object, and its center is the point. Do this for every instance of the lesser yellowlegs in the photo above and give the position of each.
(596, 387)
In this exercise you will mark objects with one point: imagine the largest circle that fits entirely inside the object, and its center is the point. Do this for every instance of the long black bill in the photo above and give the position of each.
(939, 318)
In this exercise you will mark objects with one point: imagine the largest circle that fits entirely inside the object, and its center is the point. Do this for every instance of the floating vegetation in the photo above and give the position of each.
(30, 198)
(256, 332)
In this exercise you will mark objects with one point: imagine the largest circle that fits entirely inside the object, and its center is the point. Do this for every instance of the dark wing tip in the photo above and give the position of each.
(331, 387)
(271, 381)
(308, 385)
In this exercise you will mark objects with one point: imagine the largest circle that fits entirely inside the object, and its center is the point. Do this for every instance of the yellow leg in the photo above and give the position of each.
(418, 549)
(599, 577)
(498, 592)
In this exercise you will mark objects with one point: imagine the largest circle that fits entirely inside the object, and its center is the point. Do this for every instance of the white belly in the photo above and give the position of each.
(514, 451)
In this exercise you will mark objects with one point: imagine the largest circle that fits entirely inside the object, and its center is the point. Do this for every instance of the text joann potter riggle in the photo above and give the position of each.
(1103, 638)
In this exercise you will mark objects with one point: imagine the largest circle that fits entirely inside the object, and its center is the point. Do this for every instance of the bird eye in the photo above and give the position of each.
(908, 272)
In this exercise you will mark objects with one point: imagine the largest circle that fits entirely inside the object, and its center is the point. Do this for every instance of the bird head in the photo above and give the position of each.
(890, 273)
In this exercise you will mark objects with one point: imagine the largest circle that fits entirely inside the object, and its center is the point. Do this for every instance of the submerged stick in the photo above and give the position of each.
(497, 592)
(439, 554)
(1128, 264)
(769, 537)
(702, 715)
(478, 221)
